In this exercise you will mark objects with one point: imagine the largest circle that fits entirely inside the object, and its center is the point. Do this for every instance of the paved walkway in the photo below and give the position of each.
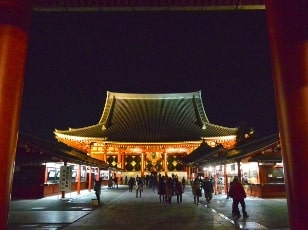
(121, 209)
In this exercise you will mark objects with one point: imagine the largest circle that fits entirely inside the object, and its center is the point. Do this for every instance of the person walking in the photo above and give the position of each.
(116, 182)
(161, 189)
(238, 194)
(178, 191)
(169, 190)
(228, 195)
(97, 189)
(196, 191)
(208, 189)
(154, 183)
(139, 184)
(183, 183)
(130, 184)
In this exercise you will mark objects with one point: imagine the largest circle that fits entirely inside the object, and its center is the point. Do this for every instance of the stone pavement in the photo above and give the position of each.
(121, 209)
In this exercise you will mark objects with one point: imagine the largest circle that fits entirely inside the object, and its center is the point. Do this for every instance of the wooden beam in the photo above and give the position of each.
(145, 5)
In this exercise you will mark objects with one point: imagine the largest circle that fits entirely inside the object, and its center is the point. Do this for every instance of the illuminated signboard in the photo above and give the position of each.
(65, 181)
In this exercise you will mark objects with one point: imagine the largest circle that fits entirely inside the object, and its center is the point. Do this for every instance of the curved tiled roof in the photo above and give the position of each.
(173, 117)
(202, 154)
(253, 147)
(205, 154)
(48, 151)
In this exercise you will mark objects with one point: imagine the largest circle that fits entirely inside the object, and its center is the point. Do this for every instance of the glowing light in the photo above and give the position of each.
(170, 150)
(136, 150)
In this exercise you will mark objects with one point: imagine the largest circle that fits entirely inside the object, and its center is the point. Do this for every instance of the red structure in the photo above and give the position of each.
(38, 167)
(257, 163)
(132, 135)
(288, 39)
(14, 24)
(287, 27)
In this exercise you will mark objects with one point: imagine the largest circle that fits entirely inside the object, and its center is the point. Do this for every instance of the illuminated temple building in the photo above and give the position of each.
(148, 133)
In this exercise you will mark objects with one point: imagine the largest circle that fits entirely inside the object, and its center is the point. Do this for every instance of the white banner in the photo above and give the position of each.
(65, 178)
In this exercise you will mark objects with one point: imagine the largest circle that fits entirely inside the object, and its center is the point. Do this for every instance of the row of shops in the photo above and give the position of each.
(257, 163)
(44, 168)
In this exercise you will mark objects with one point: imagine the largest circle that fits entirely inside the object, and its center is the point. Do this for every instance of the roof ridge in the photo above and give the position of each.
(153, 95)
(76, 129)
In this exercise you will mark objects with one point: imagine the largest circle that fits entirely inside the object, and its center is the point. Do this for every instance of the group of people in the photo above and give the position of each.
(138, 182)
(113, 182)
(198, 185)
(236, 192)
(168, 187)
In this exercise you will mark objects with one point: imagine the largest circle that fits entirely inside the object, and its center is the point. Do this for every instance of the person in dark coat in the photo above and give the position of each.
(97, 189)
(208, 189)
(178, 191)
(196, 191)
(183, 183)
(169, 190)
(161, 189)
(131, 183)
(139, 186)
(238, 194)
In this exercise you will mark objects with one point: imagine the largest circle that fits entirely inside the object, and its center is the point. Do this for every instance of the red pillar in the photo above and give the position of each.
(78, 179)
(287, 23)
(239, 170)
(215, 181)
(90, 179)
(14, 25)
(142, 164)
(226, 180)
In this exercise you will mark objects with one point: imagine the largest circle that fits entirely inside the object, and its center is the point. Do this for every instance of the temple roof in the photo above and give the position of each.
(203, 154)
(266, 149)
(271, 157)
(34, 150)
(254, 147)
(144, 118)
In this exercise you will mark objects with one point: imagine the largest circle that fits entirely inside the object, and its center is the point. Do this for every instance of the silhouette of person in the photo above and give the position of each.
(196, 191)
(238, 194)
(208, 189)
(97, 189)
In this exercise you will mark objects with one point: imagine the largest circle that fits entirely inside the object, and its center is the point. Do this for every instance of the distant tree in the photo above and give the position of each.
(244, 133)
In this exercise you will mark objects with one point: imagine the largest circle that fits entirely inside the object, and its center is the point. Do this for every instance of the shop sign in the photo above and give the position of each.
(65, 178)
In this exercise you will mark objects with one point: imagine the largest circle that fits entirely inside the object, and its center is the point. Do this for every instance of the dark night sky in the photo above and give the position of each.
(75, 58)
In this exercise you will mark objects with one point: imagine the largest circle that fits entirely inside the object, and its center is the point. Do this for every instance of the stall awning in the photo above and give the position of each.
(34, 150)
(202, 154)
(273, 157)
